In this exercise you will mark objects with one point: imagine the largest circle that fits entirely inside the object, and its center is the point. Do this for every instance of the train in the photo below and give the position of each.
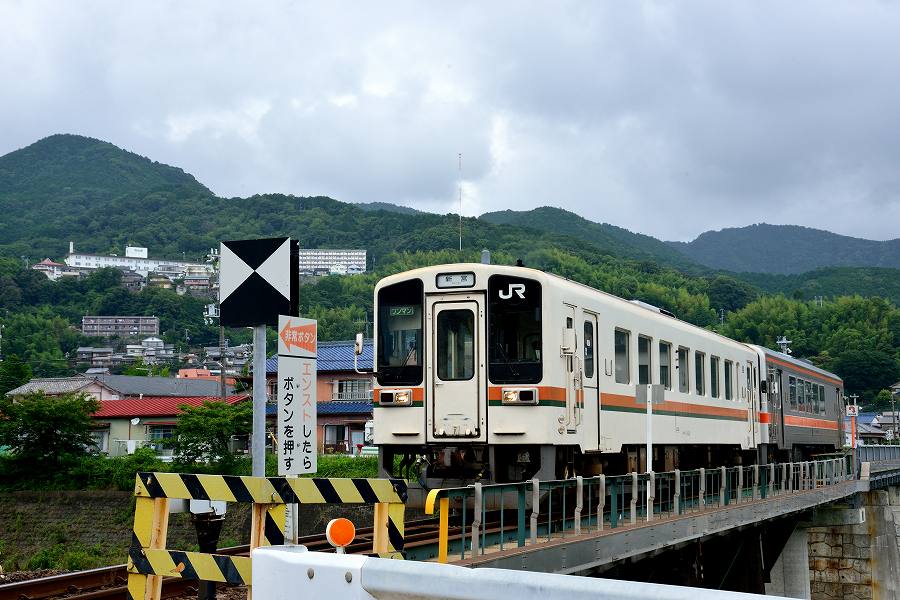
(500, 373)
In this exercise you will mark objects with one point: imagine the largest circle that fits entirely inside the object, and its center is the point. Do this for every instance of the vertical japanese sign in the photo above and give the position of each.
(296, 434)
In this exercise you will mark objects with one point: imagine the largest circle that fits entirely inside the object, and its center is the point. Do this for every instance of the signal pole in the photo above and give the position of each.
(853, 422)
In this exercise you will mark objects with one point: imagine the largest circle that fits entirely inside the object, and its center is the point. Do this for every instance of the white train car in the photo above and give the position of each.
(503, 373)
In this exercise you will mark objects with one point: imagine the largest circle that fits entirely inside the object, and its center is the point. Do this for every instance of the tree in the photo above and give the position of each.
(203, 432)
(46, 431)
(13, 373)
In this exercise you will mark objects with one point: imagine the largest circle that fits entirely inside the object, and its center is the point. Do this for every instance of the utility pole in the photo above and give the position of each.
(222, 390)
(784, 344)
(459, 186)
(853, 397)
(722, 316)
(1, 341)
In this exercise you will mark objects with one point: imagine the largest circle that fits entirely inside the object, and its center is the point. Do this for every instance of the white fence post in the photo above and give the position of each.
(579, 501)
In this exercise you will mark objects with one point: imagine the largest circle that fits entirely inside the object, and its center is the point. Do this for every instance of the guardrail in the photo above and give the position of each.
(877, 454)
(286, 573)
(545, 510)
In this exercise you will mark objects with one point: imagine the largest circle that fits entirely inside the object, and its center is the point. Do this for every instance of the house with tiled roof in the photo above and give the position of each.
(58, 386)
(344, 396)
(122, 426)
(116, 387)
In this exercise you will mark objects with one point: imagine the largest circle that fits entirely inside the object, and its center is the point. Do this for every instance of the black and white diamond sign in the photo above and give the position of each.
(258, 280)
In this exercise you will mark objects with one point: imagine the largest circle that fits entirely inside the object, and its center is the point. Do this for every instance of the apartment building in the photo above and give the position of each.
(314, 261)
(103, 326)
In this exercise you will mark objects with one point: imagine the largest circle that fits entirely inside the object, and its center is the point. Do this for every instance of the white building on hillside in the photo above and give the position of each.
(135, 259)
(316, 261)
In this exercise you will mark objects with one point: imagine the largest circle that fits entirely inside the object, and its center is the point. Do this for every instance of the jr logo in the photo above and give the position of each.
(518, 288)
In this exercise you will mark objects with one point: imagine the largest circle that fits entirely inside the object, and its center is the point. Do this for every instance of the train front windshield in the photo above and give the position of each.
(400, 333)
(514, 330)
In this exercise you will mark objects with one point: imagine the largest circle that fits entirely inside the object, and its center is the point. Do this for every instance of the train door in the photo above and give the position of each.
(456, 377)
(752, 404)
(590, 381)
(573, 372)
(779, 393)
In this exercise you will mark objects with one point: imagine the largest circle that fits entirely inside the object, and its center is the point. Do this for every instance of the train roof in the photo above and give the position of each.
(544, 277)
(801, 364)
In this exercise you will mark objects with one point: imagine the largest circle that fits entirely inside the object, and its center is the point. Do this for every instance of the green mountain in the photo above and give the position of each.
(74, 188)
(786, 249)
(831, 281)
(609, 238)
(403, 210)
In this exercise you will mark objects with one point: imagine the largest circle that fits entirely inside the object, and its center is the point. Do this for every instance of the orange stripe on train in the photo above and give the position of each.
(678, 407)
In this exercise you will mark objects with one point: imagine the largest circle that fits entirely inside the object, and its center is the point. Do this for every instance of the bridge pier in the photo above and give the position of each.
(854, 551)
(790, 574)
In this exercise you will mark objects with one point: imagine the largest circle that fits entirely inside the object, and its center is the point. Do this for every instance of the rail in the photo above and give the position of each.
(546, 510)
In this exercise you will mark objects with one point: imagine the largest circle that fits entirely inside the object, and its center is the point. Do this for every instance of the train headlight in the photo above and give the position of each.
(395, 398)
(528, 396)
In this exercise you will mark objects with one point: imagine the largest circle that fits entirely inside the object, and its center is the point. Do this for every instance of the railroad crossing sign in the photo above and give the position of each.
(297, 431)
(852, 410)
(258, 280)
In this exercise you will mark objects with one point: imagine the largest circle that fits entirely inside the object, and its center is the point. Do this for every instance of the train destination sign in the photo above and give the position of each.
(296, 429)
(259, 280)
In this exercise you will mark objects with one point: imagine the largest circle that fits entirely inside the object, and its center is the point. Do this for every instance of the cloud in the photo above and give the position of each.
(668, 119)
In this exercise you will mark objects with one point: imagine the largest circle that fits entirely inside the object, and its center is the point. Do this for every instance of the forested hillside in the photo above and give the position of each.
(831, 281)
(606, 237)
(786, 249)
(72, 188)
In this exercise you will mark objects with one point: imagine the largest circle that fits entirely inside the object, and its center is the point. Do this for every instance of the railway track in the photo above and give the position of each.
(110, 582)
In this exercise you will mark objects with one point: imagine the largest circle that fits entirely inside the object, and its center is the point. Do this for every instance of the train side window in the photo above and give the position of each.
(714, 376)
(792, 386)
(623, 356)
(665, 364)
(811, 400)
(801, 395)
(729, 380)
(588, 349)
(822, 399)
(684, 370)
(700, 373)
(644, 375)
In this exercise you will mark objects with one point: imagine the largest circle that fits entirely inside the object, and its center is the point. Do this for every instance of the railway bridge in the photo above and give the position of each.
(824, 528)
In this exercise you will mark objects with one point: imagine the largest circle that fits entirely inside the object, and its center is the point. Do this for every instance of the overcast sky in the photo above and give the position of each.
(667, 118)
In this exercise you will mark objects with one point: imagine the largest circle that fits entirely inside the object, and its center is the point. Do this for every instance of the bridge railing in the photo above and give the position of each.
(877, 454)
(494, 517)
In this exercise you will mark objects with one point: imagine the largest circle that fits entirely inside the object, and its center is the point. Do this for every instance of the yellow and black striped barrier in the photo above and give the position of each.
(149, 560)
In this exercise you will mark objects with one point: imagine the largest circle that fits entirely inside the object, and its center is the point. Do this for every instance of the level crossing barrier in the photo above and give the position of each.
(149, 560)
(545, 510)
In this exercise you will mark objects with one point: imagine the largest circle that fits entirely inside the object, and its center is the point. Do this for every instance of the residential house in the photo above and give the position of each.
(59, 386)
(344, 397)
(118, 387)
(54, 270)
(122, 426)
(95, 357)
(133, 281)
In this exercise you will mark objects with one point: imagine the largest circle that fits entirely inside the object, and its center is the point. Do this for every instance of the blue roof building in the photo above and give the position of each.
(344, 397)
